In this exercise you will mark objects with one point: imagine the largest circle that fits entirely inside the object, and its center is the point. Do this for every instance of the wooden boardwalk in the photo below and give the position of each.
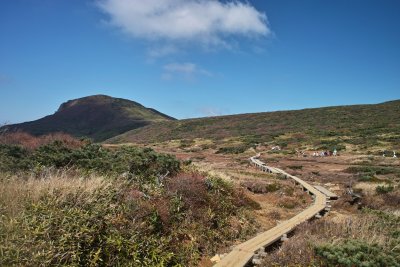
(243, 253)
(326, 192)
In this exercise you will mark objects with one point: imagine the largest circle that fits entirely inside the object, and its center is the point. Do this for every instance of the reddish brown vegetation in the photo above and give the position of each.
(32, 142)
(191, 187)
(192, 193)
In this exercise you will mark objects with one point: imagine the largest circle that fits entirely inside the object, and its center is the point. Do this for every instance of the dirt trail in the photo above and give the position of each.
(243, 253)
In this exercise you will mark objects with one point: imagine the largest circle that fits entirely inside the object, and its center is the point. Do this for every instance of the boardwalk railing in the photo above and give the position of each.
(243, 253)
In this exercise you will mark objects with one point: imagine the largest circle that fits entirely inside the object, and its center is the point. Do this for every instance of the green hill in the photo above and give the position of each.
(98, 117)
(368, 125)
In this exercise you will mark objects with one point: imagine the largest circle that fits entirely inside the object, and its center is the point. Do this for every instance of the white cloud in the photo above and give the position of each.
(186, 70)
(208, 22)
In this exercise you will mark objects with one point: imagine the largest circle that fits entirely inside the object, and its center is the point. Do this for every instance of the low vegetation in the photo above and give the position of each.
(260, 186)
(232, 149)
(81, 204)
(369, 238)
(86, 157)
(372, 128)
(377, 174)
(382, 189)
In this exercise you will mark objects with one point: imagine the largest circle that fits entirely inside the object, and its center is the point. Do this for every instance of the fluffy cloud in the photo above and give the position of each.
(186, 70)
(205, 21)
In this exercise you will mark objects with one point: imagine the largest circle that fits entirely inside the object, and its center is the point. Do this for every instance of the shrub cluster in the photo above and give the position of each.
(368, 173)
(78, 229)
(118, 224)
(382, 189)
(232, 149)
(356, 253)
(150, 213)
(260, 187)
(295, 167)
(132, 161)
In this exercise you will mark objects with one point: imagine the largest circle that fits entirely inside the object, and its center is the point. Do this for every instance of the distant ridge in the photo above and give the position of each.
(98, 117)
(359, 121)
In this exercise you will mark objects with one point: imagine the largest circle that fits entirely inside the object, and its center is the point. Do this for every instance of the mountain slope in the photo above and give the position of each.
(98, 117)
(357, 122)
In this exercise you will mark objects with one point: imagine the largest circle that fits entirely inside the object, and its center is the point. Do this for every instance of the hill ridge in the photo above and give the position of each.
(97, 116)
(360, 121)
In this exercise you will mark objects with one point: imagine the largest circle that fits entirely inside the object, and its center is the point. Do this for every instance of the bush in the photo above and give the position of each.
(355, 253)
(296, 167)
(232, 149)
(331, 146)
(12, 157)
(81, 229)
(260, 187)
(372, 170)
(53, 155)
(367, 178)
(184, 143)
(381, 189)
(288, 202)
(133, 161)
(115, 223)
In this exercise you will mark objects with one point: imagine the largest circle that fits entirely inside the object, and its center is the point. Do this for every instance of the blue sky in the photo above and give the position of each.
(198, 58)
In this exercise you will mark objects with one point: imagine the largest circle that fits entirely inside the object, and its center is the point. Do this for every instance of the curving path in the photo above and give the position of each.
(243, 253)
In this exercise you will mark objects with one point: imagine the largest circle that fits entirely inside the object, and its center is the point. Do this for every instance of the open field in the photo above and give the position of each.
(205, 188)
(365, 174)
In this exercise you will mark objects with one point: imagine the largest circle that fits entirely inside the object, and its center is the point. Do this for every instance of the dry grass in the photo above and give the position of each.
(368, 188)
(206, 168)
(16, 190)
(288, 202)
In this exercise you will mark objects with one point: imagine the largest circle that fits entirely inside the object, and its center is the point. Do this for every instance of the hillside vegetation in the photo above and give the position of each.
(365, 125)
(97, 117)
(65, 202)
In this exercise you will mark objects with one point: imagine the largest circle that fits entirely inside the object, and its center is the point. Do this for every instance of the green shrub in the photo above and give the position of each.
(296, 167)
(134, 161)
(232, 149)
(56, 154)
(13, 158)
(282, 144)
(366, 178)
(372, 170)
(382, 189)
(81, 229)
(356, 253)
(331, 146)
(260, 187)
(186, 143)
(273, 187)
(116, 223)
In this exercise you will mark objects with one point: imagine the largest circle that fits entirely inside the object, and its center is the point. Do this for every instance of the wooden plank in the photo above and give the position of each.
(326, 192)
(244, 252)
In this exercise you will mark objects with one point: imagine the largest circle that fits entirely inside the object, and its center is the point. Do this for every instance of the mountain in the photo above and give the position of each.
(361, 123)
(98, 117)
